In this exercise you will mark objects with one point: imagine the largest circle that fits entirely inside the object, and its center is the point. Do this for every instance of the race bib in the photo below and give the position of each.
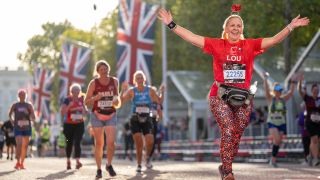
(154, 113)
(103, 104)
(142, 109)
(277, 116)
(234, 73)
(11, 134)
(315, 118)
(76, 117)
(22, 123)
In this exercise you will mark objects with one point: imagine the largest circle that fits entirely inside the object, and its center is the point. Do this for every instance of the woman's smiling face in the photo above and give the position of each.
(234, 29)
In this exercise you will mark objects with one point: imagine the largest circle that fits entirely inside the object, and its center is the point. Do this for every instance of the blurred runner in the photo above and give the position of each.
(73, 112)
(22, 112)
(142, 97)
(277, 122)
(312, 119)
(10, 139)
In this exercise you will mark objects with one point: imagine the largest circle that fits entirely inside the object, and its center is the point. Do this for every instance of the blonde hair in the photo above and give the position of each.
(73, 86)
(98, 65)
(224, 35)
(137, 73)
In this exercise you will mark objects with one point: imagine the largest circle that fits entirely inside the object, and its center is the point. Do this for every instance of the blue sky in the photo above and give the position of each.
(21, 19)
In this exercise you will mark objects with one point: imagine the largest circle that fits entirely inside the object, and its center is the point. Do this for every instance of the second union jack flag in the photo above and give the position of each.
(73, 66)
(41, 91)
(135, 38)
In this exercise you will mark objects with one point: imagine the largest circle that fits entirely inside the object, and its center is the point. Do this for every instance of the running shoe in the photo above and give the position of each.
(78, 166)
(273, 164)
(148, 163)
(111, 171)
(315, 162)
(99, 174)
(139, 168)
(221, 171)
(17, 166)
(22, 166)
(229, 177)
(68, 165)
(309, 159)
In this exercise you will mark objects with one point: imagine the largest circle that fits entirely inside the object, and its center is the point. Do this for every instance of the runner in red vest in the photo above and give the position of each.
(73, 112)
(102, 96)
(230, 101)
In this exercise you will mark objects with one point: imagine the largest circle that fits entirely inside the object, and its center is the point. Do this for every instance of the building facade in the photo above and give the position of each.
(10, 82)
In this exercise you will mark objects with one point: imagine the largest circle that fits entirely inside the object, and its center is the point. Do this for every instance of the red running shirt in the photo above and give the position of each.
(108, 92)
(76, 116)
(232, 62)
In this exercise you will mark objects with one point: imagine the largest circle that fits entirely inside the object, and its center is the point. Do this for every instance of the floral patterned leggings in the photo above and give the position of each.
(232, 122)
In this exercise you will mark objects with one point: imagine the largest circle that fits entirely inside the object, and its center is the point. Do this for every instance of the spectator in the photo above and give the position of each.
(10, 140)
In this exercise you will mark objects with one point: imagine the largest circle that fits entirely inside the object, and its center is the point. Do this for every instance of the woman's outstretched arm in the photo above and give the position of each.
(296, 22)
(166, 17)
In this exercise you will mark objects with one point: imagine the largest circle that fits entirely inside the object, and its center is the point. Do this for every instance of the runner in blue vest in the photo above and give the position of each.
(22, 112)
(277, 114)
(142, 97)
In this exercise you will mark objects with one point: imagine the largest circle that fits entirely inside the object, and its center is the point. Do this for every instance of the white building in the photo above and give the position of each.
(10, 82)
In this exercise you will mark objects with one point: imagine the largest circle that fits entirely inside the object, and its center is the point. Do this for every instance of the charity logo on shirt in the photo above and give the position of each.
(235, 54)
(233, 70)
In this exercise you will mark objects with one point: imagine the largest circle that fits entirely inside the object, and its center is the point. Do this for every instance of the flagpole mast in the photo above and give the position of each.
(164, 69)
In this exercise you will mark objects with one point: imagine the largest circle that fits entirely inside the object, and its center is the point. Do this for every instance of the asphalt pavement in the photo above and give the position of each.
(55, 168)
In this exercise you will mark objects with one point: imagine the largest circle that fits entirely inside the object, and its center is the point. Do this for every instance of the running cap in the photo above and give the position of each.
(278, 87)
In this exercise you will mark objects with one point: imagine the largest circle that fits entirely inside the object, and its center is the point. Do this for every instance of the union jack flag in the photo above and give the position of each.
(41, 91)
(73, 66)
(135, 35)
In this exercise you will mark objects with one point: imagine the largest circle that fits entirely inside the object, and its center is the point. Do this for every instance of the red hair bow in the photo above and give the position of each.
(236, 8)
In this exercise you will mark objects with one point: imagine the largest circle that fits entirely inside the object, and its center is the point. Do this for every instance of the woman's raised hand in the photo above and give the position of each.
(165, 16)
(297, 22)
(124, 86)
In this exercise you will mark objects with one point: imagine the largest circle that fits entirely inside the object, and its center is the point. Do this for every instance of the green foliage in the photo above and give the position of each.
(106, 39)
(44, 49)
(262, 18)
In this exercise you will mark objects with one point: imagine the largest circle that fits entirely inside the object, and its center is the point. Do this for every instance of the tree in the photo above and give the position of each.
(45, 50)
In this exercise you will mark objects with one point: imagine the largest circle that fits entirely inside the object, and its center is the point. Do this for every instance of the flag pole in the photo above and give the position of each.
(164, 69)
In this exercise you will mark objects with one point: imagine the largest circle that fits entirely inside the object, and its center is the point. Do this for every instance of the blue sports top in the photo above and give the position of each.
(141, 102)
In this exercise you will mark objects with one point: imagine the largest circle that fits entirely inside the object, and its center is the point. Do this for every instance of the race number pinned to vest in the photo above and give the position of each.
(11, 134)
(76, 116)
(105, 102)
(315, 117)
(23, 123)
(142, 109)
(277, 116)
(234, 73)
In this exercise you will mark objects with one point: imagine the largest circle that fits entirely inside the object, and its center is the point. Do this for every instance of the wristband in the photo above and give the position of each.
(172, 25)
(290, 28)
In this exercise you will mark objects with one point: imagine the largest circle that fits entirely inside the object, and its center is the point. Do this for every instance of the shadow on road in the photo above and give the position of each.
(148, 174)
(58, 175)
(6, 173)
